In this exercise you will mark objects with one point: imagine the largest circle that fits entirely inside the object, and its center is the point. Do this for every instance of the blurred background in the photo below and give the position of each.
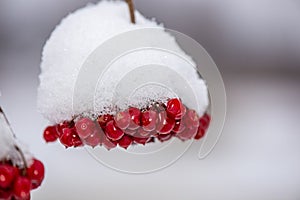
(255, 44)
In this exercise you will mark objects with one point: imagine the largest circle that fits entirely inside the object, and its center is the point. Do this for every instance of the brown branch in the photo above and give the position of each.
(131, 10)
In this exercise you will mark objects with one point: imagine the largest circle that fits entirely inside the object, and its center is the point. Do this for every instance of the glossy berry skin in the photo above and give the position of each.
(179, 127)
(191, 119)
(122, 119)
(7, 176)
(164, 137)
(69, 138)
(125, 141)
(188, 133)
(175, 109)
(62, 126)
(130, 132)
(95, 138)
(84, 127)
(165, 124)
(135, 116)
(141, 140)
(148, 120)
(204, 121)
(21, 188)
(109, 144)
(50, 134)
(141, 133)
(5, 194)
(103, 119)
(113, 132)
(36, 173)
(200, 133)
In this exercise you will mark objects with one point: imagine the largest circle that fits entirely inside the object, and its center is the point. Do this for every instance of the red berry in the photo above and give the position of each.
(61, 126)
(165, 124)
(130, 132)
(68, 137)
(21, 188)
(191, 119)
(95, 138)
(135, 116)
(109, 144)
(175, 109)
(36, 173)
(125, 141)
(7, 175)
(50, 134)
(85, 127)
(5, 194)
(141, 140)
(148, 120)
(103, 119)
(77, 142)
(204, 121)
(113, 132)
(200, 133)
(188, 133)
(164, 137)
(122, 119)
(141, 133)
(179, 127)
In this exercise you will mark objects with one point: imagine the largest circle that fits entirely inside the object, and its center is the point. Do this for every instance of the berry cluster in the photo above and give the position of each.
(16, 182)
(132, 126)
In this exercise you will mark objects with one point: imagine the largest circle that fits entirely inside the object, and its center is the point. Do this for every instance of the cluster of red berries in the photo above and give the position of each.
(16, 183)
(132, 126)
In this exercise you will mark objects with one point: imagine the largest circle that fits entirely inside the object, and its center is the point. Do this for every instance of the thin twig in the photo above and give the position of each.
(131, 10)
(15, 146)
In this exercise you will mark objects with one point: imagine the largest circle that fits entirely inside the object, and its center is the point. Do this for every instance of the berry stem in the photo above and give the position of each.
(24, 170)
(2, 112)
(131, 10)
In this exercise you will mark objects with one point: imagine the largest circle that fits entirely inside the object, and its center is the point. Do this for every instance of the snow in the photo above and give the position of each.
(76, 37)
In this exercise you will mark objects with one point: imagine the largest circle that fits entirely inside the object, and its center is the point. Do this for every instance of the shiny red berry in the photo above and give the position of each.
(22, 188)
(5, 194)
(141, 140)
(7, 175)
(204, 121)
(50, 134)
(164, 137)
(165, 124)
(113, 132)
(77, 142)
(142, 133)
(148, 120)
(188, 133)
(125, 141)
(109, 144)
(61, 126)
(103, 119)
(122, 119)
(130, 132)
(179, 127)
(85, 127)
(68, 137)
(95, 138)
(135, 116)
(175, 109)
(200, 133)
(36, 173)
(191, 118)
